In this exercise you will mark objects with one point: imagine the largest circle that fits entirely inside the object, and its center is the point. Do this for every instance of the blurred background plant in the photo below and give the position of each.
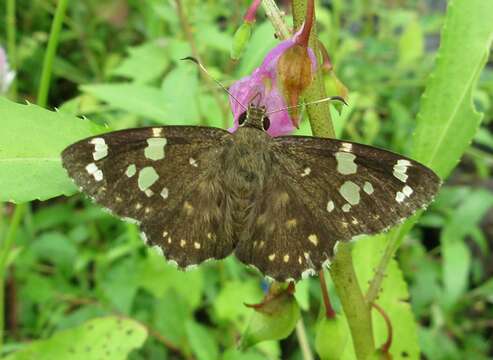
(118, 64)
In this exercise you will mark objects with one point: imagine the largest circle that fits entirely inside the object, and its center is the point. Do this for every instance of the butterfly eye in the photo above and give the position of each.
(242, 118)
(266, 123)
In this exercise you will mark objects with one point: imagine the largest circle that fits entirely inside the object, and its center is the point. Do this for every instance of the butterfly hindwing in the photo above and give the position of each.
(286, 240)
(165, 178)
(355, 189)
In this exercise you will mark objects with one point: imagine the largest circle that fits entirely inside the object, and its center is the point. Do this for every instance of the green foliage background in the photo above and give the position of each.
(78, 273)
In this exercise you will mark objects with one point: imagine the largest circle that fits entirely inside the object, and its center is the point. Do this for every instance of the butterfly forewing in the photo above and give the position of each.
(353, 188)
(165, 178)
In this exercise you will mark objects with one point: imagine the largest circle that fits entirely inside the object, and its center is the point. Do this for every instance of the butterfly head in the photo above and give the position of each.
(255, 116)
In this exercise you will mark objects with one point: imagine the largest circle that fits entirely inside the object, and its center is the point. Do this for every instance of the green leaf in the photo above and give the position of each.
(261, 42)
(108, 338)
(31, 141)
(228, 305)
(202, 341)
(411, 44)
(157, 277)
(456, 254)
(181, 90)
(447, 120)
(138, 99)
(145, 62)
(56, 248)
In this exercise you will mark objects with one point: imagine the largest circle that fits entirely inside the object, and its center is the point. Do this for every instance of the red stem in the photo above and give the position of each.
(307, 26)
(386, 346)
(252, 10)
(329, 310)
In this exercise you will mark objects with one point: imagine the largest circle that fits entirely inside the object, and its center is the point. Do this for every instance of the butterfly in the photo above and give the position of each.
(279, 204)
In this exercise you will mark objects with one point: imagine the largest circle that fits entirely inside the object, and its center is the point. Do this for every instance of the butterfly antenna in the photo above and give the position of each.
(330, 98)
(202, 67)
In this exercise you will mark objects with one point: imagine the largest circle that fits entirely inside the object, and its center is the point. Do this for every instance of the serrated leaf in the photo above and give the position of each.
(392, 298)
(108, 338)
(447, 120)
(31, 141)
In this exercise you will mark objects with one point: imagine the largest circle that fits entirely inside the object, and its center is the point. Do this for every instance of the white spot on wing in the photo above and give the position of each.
(91, 168)
(368, 188)
(165, 193)
(399, 197)
(346, 207)
(306, 172)
(330, 206)
(147, 177)
(350, 192)
(193, 162)
(155, 148)
(345, 163)
(407, 190)
(157, 132)
(100, 148)
(347, 147)
(131, 170)
(400, 169)
(313, 239)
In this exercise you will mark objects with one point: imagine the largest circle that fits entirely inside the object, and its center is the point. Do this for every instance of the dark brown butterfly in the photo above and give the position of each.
(279, 204)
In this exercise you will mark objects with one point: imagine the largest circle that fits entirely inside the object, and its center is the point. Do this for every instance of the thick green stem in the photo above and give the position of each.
(56, 27)
(356, 309)
(11, 44)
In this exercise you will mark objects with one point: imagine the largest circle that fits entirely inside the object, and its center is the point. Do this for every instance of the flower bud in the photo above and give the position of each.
(332, 337)
(6, 75)
(273, 319)
(295, 74)
(241, 39)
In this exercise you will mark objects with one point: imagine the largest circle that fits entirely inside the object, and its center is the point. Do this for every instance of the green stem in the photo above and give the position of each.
(11, 45)
(56, 27)
(306, 352)
(5, 247)
(356, 309)
(275, 17)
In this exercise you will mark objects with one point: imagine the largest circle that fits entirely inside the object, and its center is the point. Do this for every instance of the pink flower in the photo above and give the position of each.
(6, 75)
(264, 85)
